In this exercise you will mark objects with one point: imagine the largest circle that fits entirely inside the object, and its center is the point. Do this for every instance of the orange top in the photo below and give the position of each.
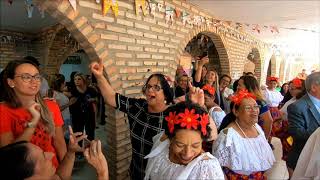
(15, 120)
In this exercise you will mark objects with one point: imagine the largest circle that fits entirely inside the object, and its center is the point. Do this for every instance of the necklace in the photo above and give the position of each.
(241, 129)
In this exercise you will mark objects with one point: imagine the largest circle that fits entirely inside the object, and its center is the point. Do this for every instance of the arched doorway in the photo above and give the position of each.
(254, 63)
(209, 43)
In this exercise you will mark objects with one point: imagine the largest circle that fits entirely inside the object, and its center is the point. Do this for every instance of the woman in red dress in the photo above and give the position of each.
(19, 120)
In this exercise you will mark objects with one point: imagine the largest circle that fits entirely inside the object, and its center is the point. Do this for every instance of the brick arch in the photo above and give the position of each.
(218, 42)
(56, 55)
(272, 66)
(257, 61)
(78, 25)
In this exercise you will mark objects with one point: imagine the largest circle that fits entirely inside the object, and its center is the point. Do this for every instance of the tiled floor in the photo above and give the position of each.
(83, 171)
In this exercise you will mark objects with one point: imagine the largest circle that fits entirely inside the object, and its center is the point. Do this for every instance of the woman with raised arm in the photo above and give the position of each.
(211, 77)
(146, 116)
(19, 116)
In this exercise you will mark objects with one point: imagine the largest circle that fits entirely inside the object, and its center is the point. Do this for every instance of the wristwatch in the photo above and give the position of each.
(31, 125)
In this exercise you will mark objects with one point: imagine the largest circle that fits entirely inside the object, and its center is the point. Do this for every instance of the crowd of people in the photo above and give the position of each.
(202, 127)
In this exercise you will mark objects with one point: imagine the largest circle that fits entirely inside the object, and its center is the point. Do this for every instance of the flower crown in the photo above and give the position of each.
(209, 88)
(271, 78)
(297, 82)
(189, 120)
(241, 95)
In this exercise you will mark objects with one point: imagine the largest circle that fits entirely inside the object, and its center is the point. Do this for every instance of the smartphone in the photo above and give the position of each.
(85, 143)
(204, 54)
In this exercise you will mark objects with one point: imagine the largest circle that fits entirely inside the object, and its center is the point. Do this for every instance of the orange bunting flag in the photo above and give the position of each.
(142, 4)
(178, 13)
(107, 4)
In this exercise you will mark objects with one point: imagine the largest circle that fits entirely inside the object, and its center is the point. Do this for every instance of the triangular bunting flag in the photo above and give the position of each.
(178, 13)
(274, 29)
(169, 14)
(73, 4)
(29, 7)
(142, 4)
(256, 27)
(107, 4)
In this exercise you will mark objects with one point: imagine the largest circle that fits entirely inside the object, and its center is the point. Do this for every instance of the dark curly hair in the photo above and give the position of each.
(180, 108)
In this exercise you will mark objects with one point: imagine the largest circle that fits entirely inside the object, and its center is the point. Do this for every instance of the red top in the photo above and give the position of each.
(15, 121)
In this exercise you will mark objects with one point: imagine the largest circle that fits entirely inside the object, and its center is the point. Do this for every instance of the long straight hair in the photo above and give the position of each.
(252, 85)
(13, 101)
(215, 84)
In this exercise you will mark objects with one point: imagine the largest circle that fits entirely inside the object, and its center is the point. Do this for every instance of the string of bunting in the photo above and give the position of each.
(173, 14)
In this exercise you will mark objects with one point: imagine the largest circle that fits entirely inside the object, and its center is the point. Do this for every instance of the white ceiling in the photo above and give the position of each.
(14, 17)
(283, 14)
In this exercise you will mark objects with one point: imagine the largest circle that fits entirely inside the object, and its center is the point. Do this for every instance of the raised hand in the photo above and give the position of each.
(97, 68)
(95, 157)
(204, 60)
(35, 110)
(196, 95)
(74, 139)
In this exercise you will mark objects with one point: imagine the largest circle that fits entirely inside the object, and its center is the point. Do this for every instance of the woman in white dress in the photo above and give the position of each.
(177, 152)
(215, 111)
(241, 147)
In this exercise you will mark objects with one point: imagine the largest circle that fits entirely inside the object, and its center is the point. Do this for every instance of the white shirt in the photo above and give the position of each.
(227, 92)
(44, 87)
(308, 166)
(159, 165)
(217, 116)
(243, 155)
(62, 100)
(285, 107)
(273, 98)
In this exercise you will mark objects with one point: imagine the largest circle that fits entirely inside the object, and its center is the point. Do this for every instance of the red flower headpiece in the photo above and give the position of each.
(241, 95)
(297, 82)
(271, 78)
(209, 88)
(188, 119)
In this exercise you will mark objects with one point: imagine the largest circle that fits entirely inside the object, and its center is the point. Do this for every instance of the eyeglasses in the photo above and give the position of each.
(251, 108)
(28, 77)
(226, 81)
(154, 87)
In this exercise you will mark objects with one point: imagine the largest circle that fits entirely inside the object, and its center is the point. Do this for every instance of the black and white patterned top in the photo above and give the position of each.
(143, 126)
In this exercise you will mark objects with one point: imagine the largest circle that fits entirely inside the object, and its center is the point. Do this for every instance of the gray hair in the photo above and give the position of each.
(313, 78)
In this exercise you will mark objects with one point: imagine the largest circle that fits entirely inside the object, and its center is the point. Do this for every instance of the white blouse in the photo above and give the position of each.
(217, 116)
(273, 98)
(243, 155)
(159, 165)
(285, 107)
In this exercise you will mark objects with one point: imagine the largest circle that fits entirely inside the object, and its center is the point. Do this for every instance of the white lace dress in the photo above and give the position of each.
(273, 97)
(217, 116)
(243, 155)
(159, 166)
